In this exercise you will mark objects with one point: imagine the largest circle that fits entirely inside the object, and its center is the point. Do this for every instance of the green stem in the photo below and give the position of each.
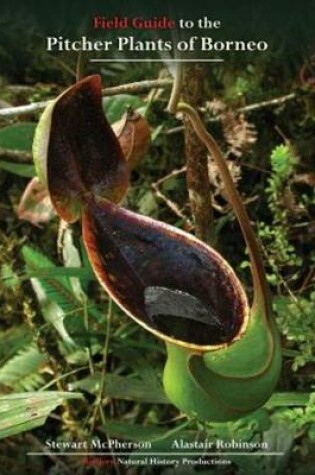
(105, 357)
(261, 293)
(176, 89)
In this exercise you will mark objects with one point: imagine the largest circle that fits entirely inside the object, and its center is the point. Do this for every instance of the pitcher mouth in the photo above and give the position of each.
(169, 282)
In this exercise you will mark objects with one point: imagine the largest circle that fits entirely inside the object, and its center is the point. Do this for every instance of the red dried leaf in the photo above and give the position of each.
(35, 205)
(134, 135)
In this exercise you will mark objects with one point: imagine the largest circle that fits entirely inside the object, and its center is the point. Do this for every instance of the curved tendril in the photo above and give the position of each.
(261, 293)
(176, 89)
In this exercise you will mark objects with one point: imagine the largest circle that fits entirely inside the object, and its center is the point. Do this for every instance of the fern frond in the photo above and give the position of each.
(56, 296)
(13, 340)
(21, 373)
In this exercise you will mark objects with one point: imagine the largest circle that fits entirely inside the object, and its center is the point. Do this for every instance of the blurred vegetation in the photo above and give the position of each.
(59, 331)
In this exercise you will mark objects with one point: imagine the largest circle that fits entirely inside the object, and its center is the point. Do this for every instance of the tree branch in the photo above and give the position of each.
(130, 88)
(15, 155)
(277, 101)
(196, 158)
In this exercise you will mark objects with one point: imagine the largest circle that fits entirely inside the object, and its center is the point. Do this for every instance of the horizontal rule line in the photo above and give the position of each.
(148, 60)
(161, 454)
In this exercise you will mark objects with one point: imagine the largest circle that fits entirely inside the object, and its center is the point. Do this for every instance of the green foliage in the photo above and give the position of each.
(19, 169)
(302, 420)
(18, 136)
(275, 236)
(13, 339)
(147, 204)
(57, 294)
(22, 372)
(21, 412)
(282, 166)
(295, 317)
(116, 106)
(123, 387)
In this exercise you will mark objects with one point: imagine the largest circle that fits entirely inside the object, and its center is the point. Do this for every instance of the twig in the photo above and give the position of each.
(137, 87)
(15, 155)
(27, 109)
(130, 88)
(242, 110)
(277, 101)
(173, 207)
(170, 175)
(171, 204)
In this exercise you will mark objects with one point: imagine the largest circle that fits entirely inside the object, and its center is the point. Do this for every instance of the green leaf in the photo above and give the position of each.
(71, 258)
(147, 204)
(9, 277)
(115, 106)
(288, 399)
(19, 169)
(156, 132)
(135, 359)
(122, 387)
(25, 411)
(133, 431)
(55, 294)
(59, 271)
(22, 372)
(52, 311)
(18, 136)
(160, 439)
(13, 340)
(149, 433)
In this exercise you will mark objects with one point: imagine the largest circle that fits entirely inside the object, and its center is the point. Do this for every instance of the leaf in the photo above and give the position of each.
(76, 152)
(288, 399)
(18, 136)
(55, 293)
(35, 205)
(71, 258)
(122, 387)
(52, 311)
(134, 432)
(134, 135)
(115, 106)
(9, 277)
(19, 169)
(147, 204)
(160, 439)
(22, 372)
(135, 359)
(238, 132)
(59, 271)
(156, 132)
(13, 340)
(25, 411)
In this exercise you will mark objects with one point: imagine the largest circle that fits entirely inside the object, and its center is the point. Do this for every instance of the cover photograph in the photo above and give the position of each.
(157, 238)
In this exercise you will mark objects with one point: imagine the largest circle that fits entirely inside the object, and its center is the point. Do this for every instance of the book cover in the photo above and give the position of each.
(157, 238)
